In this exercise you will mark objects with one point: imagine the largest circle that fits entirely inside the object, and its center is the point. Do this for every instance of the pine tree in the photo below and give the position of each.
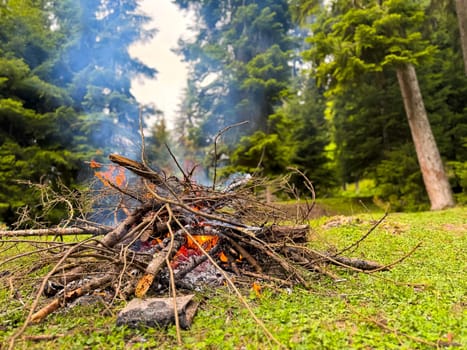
(35, 115)
(65, 77)
(100, 68)
(240, 72)
(355, 38)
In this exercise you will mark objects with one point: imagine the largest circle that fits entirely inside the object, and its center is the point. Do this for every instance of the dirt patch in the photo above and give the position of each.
(459, 229)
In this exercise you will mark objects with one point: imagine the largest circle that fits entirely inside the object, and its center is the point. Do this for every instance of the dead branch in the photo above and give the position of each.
(363, 265)
(57, 231)
(116, 235)
(43, 337)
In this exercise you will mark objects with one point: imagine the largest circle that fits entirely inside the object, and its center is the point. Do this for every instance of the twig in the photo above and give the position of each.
(180, 204)
(172, 279)
(267, 278)
(185, 176)
(37, 251)
(155, 265)
(41, 289)
(252, 261)
(310, 187)
(402, 258)
(356, 243)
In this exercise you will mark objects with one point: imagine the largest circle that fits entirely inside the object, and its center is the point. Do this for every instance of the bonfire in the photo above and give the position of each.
(176, 237)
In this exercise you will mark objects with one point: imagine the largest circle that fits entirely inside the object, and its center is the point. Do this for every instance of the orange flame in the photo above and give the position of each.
(113, 175)
(93, 164)
(223, 257)
(206, 241)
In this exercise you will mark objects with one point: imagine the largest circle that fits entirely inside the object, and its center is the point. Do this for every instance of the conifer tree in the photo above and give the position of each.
(354, 38)
(100, 70)
(35, 115)
(240, 73)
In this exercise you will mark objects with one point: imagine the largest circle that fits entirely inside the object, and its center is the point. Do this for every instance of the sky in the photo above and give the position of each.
(166, 90)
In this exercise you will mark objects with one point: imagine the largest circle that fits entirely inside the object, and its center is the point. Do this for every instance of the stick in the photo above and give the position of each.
(174, 300)
(252, 261)
(360, 264)
(267, 278)
(59, 231)
(41, 337)
(356, 243)
(117, 234)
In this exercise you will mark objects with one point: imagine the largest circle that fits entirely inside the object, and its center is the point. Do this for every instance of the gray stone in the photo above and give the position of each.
(158, 312)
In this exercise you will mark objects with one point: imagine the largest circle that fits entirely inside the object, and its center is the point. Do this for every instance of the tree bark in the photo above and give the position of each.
(461, 9)
(431, 165)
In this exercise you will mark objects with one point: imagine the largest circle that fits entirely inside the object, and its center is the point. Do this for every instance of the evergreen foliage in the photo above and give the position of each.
(355, 48)
(240, 73)
(310, 134)
(99, 70)
(65, 93)
(35, 115)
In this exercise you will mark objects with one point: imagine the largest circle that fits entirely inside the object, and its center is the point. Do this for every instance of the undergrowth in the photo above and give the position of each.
(419, 304)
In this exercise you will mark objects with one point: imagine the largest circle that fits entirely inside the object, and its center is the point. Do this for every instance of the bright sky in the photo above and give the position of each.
(165, 91)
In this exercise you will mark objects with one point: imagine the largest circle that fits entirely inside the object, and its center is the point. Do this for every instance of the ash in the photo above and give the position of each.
(205, 274)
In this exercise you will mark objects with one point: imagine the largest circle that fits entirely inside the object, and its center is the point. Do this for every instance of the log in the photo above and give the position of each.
(118, 234)
(138, 168)
(155, 265)
(57, 231)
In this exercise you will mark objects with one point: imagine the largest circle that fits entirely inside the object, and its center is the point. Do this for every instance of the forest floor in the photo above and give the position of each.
(420, 303)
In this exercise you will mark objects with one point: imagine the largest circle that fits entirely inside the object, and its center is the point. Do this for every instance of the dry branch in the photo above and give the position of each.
(360, 264)
(57, 231)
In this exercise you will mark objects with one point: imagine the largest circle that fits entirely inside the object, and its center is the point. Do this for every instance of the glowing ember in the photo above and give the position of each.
(206, 241)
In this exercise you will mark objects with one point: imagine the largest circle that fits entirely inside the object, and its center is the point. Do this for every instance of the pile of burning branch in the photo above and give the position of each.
(178, 236)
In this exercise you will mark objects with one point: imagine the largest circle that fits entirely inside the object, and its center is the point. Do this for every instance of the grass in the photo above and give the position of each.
(419, 303)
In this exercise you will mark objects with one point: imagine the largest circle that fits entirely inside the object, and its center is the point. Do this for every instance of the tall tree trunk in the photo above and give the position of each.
(461, 9)
(431, 166)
